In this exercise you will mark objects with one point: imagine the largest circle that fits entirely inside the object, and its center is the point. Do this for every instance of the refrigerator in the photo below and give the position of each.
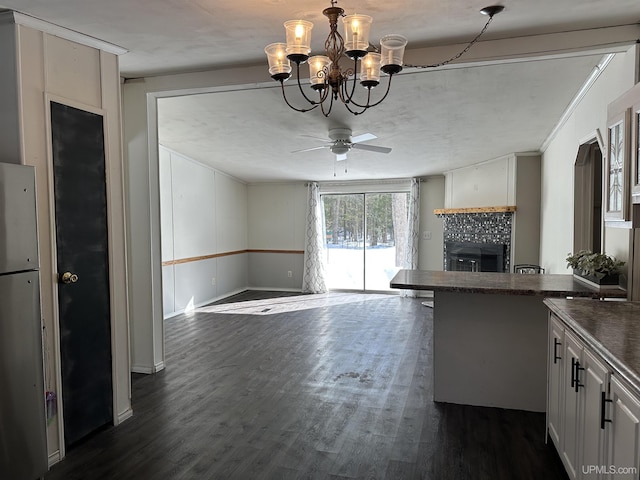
(23, 440)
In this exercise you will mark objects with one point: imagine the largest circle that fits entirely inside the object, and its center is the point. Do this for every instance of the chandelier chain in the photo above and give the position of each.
(457, 56)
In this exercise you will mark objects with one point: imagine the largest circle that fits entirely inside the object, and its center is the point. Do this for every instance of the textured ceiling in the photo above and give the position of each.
(433, 120)
(182, 35)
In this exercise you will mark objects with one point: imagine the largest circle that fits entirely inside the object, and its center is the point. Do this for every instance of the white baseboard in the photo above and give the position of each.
(141, 369)
(54, 458)
(146, 369)
(267, 289)
(126, 415)
(206, 302)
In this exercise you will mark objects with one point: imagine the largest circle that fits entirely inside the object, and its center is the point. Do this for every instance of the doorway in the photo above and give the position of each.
(588, 219)
(78, 150)
(366, 236)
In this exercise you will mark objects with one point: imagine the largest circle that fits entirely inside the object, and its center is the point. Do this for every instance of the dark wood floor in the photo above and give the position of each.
(337, 392)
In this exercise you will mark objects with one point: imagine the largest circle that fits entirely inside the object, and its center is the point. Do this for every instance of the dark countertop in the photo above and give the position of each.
(500, 283)
(611, 329)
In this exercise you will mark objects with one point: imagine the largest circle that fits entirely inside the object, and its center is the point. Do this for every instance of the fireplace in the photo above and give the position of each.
(478, 238)
(475, 257)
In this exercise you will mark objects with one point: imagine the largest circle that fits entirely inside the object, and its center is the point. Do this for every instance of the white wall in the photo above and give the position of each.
(277, 222)
(558, 164)
(526, 231)
(487, 184)
(431, 251)
(203, 216)
(9, 97)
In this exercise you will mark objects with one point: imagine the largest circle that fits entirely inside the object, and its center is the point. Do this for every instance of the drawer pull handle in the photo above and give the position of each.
(578, 369)
(575, 374)
(556, 344)
(603, 402)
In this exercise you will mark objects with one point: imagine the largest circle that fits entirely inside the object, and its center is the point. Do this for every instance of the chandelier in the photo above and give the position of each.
(327, 77)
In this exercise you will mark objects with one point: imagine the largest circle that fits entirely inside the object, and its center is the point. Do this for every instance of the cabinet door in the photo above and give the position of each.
(594, 379)
(556, 365)
(624, 433)
(572, 406)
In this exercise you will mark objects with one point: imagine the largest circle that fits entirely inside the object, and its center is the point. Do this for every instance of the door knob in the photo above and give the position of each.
(68, 277)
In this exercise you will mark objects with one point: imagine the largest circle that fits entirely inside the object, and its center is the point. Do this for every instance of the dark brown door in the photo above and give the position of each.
(82, 252)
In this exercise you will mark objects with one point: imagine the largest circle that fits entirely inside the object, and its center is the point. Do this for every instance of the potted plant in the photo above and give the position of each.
(597, 268)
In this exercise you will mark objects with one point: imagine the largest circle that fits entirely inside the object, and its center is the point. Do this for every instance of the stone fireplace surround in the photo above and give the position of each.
(484, 225)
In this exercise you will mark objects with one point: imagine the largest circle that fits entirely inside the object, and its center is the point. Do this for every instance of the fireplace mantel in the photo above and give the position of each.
(453, 211)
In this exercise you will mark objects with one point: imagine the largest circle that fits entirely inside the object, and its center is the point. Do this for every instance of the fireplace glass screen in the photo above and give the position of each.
(474, 257)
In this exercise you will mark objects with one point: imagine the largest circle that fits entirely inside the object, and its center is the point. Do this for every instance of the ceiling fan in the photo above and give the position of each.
(341, 142)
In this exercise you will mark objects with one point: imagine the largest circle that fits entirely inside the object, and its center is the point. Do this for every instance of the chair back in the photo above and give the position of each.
(527, 268)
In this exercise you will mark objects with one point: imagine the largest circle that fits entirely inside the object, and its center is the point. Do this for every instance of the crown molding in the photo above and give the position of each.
(22, 19)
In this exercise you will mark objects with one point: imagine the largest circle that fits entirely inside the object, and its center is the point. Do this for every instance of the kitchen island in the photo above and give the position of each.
(490, 333)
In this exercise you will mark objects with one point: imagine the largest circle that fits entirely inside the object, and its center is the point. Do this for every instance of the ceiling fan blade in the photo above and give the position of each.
(311, 149)
(365, 137)
(315, 138)
(371, 148)
(340, 157)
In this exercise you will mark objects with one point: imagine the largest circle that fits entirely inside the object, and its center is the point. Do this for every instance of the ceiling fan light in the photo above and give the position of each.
(277, 57)
(340, 148)
(356, 34)
(298, 37)
(392, 51)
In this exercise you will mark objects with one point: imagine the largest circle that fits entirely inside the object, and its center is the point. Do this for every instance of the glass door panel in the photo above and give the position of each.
(344, 230)
(386, 228)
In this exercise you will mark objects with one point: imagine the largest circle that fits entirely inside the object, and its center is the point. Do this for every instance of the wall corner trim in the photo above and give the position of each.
(62, 32)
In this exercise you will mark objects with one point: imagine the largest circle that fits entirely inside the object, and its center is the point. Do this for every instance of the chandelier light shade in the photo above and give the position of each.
(279, 64)
(392, 52)
(298, 37)
(356, 33)
(370, 69)
(330, 80)
(318, 66)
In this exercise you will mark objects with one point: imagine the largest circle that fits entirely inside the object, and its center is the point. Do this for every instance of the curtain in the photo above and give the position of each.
(413, 234)
(313, 276)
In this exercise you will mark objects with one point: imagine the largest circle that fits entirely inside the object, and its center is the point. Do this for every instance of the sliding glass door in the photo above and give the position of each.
(366, 237)
(344, 233)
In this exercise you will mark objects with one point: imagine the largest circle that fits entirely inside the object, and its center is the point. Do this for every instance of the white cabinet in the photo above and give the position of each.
(556, 365)
(592, 418)
(623, 432)
(585, 380)
(571, 411)
(593, 380)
